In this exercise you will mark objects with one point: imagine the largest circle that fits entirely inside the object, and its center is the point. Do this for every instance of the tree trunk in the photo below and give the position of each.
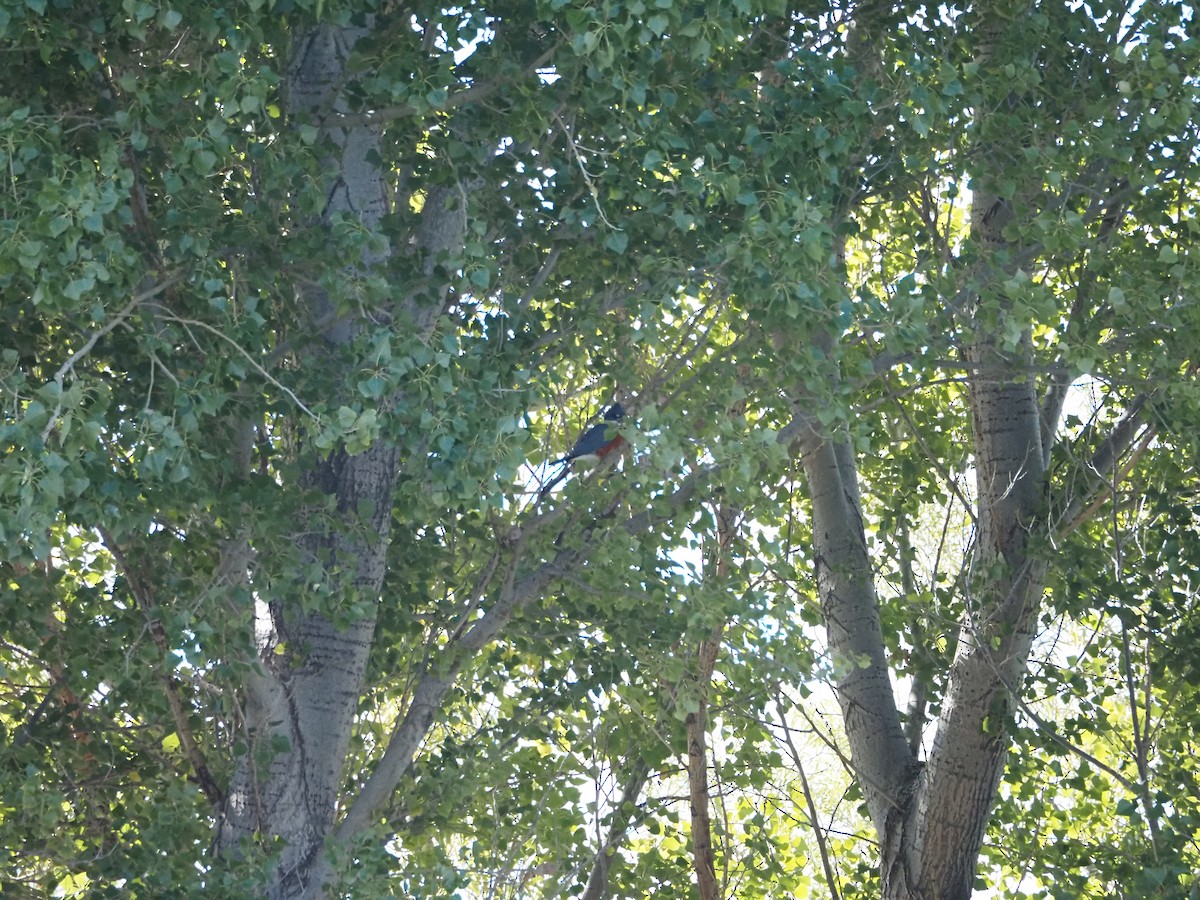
(936, 845)
(931, 816)
(696, 723)
(300, 710)
(845, 581)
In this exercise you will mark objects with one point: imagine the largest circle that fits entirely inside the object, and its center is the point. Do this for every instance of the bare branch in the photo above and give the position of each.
(813, 819)
(1047, 729)
(96, 335)
(597, 883)
(141, 593)
(1129, 439)
(512, 596)
(168, 316)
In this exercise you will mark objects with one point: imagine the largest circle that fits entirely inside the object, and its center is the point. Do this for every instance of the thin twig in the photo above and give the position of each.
(587, 177)
(1045, 727)
(818, 832)
(168, 316)
(203, 774)
(95, 336)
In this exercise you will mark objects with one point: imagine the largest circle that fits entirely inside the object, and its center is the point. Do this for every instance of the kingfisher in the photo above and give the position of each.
(598, 441)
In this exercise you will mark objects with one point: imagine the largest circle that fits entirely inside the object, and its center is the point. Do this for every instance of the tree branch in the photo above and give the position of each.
(514, 594)
(1047, 729)
(696, 723)
(96, 335)
(1131, 433)
(141, 593)
(845, 581)
(169, 316)
(813, 819)
(476, 93)
(597, 883)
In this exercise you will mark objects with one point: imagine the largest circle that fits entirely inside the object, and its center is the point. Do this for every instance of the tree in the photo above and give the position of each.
(303, 296)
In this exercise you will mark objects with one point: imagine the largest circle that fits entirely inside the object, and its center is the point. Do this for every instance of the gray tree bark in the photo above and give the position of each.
(931, 814)
(301, 708)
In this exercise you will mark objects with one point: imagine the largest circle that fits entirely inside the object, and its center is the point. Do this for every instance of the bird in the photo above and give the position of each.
(592, 446)
(598, 441)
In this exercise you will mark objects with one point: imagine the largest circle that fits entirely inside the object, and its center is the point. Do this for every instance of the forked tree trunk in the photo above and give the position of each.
(301, 709)
(931, 815)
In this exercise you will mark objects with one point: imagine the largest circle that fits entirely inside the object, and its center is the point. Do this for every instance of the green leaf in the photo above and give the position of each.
(481, 276)
(617, 241)
(203, 161)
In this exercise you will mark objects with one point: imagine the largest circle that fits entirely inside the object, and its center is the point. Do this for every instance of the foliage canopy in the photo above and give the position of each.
(300, 298)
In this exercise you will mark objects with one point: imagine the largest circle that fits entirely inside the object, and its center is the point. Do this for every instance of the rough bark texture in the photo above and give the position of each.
(931, 815)
(302, 707)
(936, 847)
(935, 851)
